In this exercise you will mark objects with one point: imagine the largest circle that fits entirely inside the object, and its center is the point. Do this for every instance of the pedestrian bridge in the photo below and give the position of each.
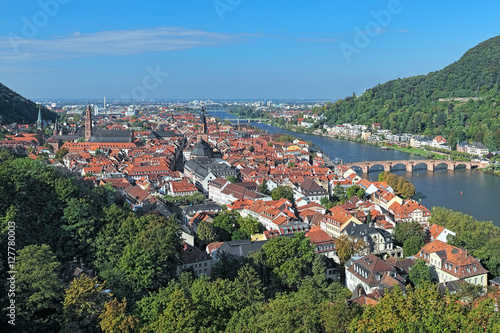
(411, 165)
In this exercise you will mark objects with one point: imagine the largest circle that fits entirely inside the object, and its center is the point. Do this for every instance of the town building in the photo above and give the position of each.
(370, 273)
(450, 263)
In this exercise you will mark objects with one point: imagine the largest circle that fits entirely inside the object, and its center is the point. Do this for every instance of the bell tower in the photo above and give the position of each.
(203, 121)
(88, 123)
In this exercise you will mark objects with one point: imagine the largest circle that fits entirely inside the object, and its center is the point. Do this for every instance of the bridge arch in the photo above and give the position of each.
(383, 166)
(357, 168)
(441, 165)
(461, 165)
(418, 165)
(396, 166)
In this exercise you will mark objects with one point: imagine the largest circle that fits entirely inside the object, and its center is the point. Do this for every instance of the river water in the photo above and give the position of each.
(468, 191)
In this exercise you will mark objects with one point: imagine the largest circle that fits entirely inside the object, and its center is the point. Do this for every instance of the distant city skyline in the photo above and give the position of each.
(230, 49)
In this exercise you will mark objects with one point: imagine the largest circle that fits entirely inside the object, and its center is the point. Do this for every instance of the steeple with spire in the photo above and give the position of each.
(203, 121)
(88, 123)
(55, 127)
(39, 120)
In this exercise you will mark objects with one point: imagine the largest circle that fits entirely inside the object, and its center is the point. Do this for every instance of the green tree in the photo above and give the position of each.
(206, 233)
(420, 272)
(263, 187)
(290, 259)
(115, 319)
(152, 259)
(61, 153)
(226, 223)
(412, 245)
(347, 247)
(325, 202)
(250, 226)
(215, 302)
(337, 316)
(282, 192)
(84, 302)
(248, 286)
(83, 221)
(285, 138)
(179, 315)
(355, 190)
(405, 230)
(39, 291)
(422, 309)
(232, 179)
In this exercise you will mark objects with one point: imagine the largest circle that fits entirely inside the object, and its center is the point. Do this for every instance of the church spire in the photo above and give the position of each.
(55, 127)
(203, 121)
(88, 123)
(39, 120)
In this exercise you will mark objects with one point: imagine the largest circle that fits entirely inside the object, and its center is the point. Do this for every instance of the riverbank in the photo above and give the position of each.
(428, 152)
(469, 191)
(420, 152)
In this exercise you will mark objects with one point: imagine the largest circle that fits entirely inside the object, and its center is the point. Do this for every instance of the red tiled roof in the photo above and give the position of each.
(456, 261)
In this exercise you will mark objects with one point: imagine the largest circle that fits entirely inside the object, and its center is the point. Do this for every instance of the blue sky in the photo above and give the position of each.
(230, 49)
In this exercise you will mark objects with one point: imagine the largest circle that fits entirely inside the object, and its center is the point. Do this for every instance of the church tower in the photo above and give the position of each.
(55, 127)
(39, 120)
(88, 123)
(203, 121)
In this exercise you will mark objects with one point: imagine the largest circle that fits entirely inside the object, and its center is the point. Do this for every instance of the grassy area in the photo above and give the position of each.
(421, 152)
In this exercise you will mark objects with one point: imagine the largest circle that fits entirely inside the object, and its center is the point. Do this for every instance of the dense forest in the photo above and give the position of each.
(460, 101)
(14, 108)
(132, 282)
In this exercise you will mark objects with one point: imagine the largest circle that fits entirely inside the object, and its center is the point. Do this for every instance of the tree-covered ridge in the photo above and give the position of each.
(413, 105)
(14, 108)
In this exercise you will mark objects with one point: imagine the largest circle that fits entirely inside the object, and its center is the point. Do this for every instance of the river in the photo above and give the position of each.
(469, 191)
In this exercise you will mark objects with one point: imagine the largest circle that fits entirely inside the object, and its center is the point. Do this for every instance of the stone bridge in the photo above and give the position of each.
(411, 165)
(245, 120)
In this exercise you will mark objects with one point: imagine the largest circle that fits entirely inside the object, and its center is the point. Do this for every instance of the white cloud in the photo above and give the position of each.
(110, 43)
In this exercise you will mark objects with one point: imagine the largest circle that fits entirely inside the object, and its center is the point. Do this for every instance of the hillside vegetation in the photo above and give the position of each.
(460, 101)
(14, 108)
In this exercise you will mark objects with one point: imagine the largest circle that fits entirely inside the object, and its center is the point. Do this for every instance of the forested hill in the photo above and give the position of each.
(425, 105)
(14, 108)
